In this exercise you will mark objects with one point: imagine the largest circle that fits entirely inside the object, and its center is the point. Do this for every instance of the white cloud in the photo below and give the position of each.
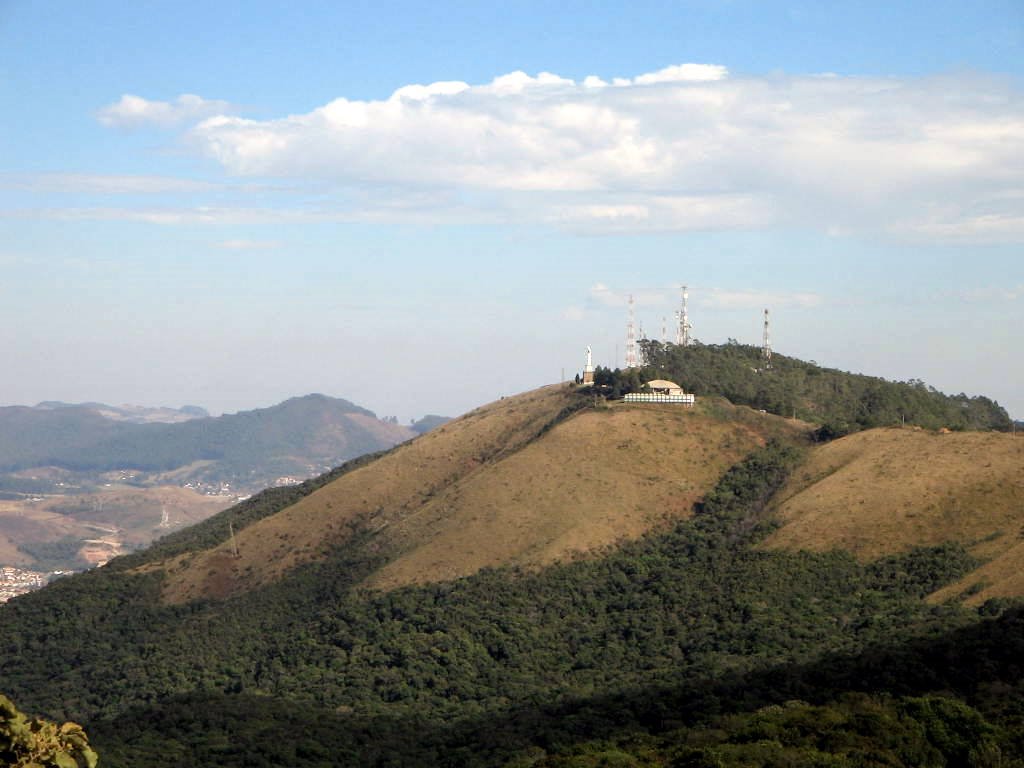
(249, 245)
(132, 111)
(602, 295)
(105, 184)
(725, 299)
(687, 147)
(679, 73)
(182, 215)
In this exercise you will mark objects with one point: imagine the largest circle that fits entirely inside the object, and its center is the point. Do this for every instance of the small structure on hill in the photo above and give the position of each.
(588, 370)
(661, 391)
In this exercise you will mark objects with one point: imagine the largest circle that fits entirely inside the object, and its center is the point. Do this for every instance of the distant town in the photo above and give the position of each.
(18, 581)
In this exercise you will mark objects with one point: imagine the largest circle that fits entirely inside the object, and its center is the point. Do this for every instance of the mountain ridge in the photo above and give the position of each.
(71, 474)
(79, 438)
(554, 546)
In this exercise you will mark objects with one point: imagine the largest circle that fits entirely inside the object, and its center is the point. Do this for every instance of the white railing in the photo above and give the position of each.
(651, 397)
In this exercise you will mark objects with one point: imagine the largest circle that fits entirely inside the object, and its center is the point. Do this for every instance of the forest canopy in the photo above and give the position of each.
(838, 401)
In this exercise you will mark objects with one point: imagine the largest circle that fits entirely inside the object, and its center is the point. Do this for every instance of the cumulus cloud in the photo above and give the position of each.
(679, 73)
(688, 147)
(132, 111)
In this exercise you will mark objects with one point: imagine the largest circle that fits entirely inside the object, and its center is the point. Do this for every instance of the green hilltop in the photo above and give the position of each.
(837, 400)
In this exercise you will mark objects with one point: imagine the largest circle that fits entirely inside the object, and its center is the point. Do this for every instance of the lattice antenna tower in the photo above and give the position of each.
(664, 329)
(631, 361)
(683, 330)
(766, 349)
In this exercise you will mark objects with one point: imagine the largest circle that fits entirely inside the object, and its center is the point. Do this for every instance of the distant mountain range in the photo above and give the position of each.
(137, 414)
(80, 483)
(298, 438)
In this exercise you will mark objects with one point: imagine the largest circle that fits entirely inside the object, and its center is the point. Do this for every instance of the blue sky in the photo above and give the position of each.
(422, 207)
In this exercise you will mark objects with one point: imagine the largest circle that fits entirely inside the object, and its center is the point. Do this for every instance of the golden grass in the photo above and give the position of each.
(489, 489)
(886, 491)
(602, 477)
(377, 495)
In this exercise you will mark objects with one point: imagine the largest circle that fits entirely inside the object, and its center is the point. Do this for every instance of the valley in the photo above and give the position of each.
(81, 484)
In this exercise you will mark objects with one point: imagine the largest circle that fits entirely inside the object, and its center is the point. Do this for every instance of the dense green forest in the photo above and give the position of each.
(838, 401)
(651, 643)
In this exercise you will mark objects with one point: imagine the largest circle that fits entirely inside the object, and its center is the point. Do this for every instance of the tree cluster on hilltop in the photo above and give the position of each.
(838, 401)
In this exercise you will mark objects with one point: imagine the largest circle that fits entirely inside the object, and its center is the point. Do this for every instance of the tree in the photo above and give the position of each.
(35, 743)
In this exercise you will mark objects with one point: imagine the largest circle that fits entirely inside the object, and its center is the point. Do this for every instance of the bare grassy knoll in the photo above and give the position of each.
(498, 486)
(604, 476)
(886, 491)
(386, 490)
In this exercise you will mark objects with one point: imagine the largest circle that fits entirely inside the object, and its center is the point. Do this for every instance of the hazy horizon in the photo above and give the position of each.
(422, 209)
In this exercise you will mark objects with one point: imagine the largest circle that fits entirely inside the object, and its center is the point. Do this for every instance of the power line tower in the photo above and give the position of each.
(766, 350)
(631, 359)
(683, 329)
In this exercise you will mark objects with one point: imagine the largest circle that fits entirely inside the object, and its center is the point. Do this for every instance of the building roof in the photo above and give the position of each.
(662, 384)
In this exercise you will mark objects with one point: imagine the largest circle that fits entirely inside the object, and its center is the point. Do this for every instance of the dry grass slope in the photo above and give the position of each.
(599, 478)
(885, 491)
(377, 495)
(494, 488)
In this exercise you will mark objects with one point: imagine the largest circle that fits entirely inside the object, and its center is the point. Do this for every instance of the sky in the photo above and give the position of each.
(422, 207)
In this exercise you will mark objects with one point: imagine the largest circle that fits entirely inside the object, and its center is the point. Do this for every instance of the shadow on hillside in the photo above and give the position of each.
(982, 663)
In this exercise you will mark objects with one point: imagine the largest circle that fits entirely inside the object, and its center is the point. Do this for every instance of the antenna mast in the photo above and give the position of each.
(631, 336)
(683, 331)
(766, 350)
(664, 330)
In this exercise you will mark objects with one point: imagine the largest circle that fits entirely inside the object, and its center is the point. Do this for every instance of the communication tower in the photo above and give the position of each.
(631, 359)
(683, 329)
(664, 330)
(766, 350)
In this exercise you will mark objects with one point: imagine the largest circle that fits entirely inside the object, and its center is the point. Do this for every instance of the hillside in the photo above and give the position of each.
(71, 474)
(428, 422)
(884, 492)
(503, 485)
(551, 569)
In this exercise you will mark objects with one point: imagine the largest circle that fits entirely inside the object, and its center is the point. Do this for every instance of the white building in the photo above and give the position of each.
(661, 391)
